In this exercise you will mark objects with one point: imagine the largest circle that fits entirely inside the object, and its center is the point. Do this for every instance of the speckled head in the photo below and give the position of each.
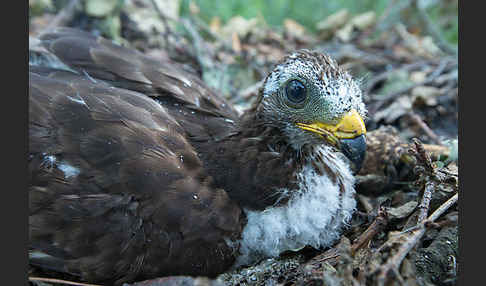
(331, 90)
(310, 97)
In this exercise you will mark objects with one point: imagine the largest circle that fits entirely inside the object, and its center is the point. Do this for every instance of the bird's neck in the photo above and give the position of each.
(254, 164)
(320, 206)
(308, 195)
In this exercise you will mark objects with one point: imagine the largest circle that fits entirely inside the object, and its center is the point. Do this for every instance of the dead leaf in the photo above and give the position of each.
(239, 25)
(293, 28)
(398, 108)
(364, 20)
(333, 21)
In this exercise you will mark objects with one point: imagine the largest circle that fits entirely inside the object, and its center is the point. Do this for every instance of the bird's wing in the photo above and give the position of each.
(130, 69)
(204, 114)
(116, 190)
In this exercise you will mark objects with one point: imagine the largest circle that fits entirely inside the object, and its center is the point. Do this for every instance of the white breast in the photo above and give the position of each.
(315, 214)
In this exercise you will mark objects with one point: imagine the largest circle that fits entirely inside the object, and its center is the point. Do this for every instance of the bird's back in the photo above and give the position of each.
(117, 189)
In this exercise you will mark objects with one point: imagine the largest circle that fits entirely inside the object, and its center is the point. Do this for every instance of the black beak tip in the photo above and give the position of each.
(355, 150)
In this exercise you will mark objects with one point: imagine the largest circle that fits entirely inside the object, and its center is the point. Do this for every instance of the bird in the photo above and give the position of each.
(138, 170)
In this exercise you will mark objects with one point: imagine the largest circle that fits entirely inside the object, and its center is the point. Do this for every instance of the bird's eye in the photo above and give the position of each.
(295, 91)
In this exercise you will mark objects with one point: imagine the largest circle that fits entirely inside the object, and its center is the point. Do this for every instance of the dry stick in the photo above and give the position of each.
(393, 8)
(376, 226)
(433, 31)
(202, 25)
(330, 256)
(417, 120)
(384, 75)
(62, 17)
(440, 210)
(429, 187)
(422, 156)
(164, 21)
(366, 204)
(203, 52)
(355, 53)
(164, 18)
(395, 261)
(424, 204)
(440, 68)
(437, 150)
(60, 281)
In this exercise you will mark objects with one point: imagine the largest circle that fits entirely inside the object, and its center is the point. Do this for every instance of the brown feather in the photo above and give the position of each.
(133, 199)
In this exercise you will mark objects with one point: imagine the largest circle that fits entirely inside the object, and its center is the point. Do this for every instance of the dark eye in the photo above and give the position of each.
(295, 91)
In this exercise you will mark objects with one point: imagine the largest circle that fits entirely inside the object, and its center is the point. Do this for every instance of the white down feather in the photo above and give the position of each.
(314, 215)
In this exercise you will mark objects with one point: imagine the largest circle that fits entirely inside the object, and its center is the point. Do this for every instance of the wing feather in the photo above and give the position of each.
(133, 70)
(116, 189)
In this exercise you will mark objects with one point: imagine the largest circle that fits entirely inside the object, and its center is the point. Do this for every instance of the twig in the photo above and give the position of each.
(163, 17)
(428, 224)
(394, 262)
(366, 204)
(350, 51)
(441, 67)
(62, 17)
(437, 150)
(203, 52)
(440, 210)
(389, 97)
(204, 55)
(389, 15)
(201, 24)
(430, 133)
(433, 31)
(60, 281)
(422, 156)
(423, 159)
(384, 75)
(330, 256)
(376, 226)
(425, 203)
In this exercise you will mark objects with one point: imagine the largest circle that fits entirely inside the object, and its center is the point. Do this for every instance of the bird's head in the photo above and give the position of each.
(314, 101)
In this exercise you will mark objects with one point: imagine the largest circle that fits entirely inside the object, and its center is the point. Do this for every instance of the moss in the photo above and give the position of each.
(270, 271)
(435, 262)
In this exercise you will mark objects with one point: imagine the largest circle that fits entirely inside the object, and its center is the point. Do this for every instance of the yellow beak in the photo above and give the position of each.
(350, 126)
